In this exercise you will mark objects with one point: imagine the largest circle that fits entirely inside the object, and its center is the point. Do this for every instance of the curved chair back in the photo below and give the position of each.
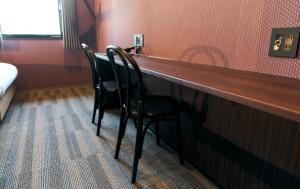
(95, 68)
(131, 71)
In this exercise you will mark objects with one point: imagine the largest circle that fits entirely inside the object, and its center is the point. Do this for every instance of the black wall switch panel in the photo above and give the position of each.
(284, 42)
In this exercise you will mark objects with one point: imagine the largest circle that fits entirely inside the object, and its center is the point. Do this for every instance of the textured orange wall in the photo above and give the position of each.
(45, 63)
(231, 33)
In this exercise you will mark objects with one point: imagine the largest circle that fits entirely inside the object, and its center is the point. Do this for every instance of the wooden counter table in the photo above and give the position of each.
(273, 94)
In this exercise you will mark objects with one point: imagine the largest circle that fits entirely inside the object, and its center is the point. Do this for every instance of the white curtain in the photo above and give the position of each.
(1, 39)
(70, 26)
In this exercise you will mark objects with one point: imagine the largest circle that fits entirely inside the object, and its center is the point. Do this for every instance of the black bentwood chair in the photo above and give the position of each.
(103, 89)
(140, 108)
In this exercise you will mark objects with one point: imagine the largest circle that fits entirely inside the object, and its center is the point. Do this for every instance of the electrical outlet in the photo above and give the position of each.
(284, 42)
(139, 40)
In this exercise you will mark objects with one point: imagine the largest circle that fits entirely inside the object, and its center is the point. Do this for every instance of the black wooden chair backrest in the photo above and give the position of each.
(131, 71)
(95, 68)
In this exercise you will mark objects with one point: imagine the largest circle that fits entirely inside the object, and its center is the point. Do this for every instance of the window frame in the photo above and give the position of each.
(39, 36)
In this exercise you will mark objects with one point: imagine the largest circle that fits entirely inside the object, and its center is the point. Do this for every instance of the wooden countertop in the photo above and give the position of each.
(273, 94)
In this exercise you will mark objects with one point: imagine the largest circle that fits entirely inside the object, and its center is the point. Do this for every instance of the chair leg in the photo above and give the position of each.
(181, 159)
(144, 135)
(135, 122)
(101, 112)
(138, 148)
(96, 104)
(122, 129)
(100, 117)
(157, 133)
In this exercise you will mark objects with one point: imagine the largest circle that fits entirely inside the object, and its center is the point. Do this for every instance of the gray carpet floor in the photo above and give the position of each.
(47, 140)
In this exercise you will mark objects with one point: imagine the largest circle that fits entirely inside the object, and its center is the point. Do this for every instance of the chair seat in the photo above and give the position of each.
(157, 105)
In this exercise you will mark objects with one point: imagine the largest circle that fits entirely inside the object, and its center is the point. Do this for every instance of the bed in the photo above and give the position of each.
(8, 75)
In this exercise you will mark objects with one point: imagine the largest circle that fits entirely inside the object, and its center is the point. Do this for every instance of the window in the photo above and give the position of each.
(30, 18)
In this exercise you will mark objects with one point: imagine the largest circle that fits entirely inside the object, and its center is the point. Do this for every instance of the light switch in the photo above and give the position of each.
(284, 42)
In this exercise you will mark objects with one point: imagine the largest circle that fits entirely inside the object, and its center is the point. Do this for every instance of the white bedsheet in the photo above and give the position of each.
(8, 74)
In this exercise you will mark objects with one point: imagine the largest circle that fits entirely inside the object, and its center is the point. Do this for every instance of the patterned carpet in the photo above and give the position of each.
(47, 140)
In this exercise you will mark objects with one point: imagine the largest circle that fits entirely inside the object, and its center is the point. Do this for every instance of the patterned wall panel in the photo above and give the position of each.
(229, 33)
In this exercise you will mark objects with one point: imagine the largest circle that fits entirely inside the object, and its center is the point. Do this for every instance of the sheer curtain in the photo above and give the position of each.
(70, 26)
(1, 39)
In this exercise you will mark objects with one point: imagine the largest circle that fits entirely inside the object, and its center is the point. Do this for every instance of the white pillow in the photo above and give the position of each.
(8, 74)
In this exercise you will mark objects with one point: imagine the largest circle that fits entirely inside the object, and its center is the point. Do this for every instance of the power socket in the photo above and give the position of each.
(138, 40)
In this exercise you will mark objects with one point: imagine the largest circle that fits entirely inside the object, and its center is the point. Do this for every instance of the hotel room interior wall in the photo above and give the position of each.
(45, 63)
(231, 33)
(239, 147)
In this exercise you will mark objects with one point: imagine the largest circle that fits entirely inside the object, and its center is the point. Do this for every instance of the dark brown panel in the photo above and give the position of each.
(239, 147)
